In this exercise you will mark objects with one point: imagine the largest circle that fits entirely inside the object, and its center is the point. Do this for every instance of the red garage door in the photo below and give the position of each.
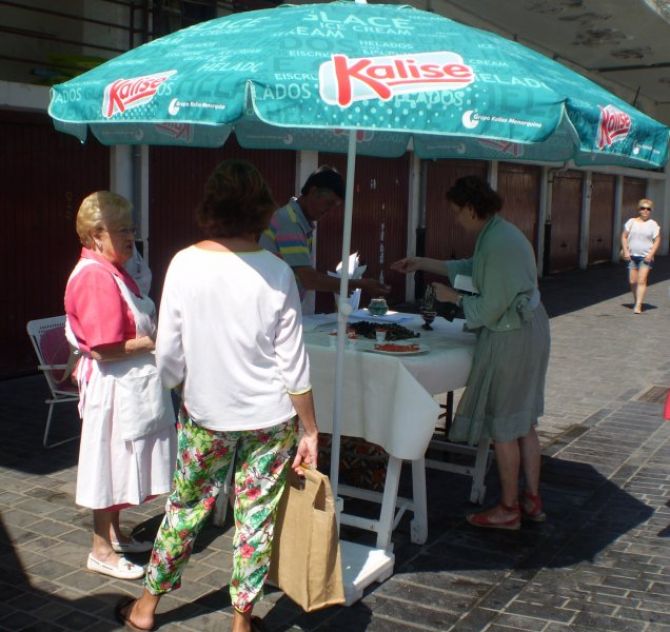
(43, 177)
(566, 202)
(519, 186)
(602, 214)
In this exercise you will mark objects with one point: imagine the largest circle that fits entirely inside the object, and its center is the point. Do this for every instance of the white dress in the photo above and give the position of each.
(128, 442)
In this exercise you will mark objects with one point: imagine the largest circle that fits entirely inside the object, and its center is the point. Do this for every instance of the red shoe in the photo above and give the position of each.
(531, 505)
(485, 519)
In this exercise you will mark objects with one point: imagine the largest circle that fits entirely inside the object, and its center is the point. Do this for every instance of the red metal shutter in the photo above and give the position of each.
(44, 175)
(566, 202)
(602, 213)
(519, 186)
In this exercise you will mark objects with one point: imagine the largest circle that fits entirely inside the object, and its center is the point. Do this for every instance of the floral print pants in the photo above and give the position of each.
(203, 459)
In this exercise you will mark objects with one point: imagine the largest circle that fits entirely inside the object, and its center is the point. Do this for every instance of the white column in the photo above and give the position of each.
(305, 163)
(493, 174)
(585, 221)
(616, 219)
(129, 176)
(121, 171)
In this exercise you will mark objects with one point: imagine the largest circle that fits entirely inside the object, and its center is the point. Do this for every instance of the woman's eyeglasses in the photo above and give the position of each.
(645, 208)
(124, 230)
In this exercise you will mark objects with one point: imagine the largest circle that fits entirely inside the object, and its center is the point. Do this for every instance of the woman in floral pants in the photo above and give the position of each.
(230, 332)
(202, 465)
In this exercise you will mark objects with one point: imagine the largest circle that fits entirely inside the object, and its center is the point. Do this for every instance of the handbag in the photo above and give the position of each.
(666, 408)
(306, 562)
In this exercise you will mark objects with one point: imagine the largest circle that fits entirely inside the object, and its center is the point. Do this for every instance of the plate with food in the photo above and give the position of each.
(399, 349)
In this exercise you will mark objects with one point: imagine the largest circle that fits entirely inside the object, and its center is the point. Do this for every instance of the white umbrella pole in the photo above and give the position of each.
(344, 309)
(361, 565)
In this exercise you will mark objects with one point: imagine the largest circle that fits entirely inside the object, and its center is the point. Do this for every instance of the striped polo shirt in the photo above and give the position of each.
(289, 236)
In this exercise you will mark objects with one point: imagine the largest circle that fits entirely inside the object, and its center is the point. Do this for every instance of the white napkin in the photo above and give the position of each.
(356, 270)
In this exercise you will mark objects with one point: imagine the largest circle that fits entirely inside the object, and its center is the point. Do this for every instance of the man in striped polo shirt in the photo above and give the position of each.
(289, 234)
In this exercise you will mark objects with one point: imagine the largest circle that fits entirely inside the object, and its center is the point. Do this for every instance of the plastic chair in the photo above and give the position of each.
(56, 361)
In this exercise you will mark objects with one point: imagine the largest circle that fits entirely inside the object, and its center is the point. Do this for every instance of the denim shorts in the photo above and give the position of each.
(636, 263)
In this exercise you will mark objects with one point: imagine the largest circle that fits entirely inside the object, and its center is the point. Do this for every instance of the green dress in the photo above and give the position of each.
(505, 389)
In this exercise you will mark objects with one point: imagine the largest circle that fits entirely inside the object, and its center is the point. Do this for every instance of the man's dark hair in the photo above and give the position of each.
(325, 177)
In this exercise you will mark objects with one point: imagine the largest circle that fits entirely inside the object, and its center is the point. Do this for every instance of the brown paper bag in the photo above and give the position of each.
(306, 561)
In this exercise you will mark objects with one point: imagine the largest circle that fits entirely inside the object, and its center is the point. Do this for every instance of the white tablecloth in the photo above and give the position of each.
(388, 399)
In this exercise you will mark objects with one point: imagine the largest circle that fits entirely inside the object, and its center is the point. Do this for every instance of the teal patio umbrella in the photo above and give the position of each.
(350, 77)
(299, 77)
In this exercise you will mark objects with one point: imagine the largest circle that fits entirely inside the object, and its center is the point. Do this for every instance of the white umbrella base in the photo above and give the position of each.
(361, 566)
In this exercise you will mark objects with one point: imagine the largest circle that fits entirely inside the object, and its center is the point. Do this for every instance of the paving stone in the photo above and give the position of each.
(594, 621)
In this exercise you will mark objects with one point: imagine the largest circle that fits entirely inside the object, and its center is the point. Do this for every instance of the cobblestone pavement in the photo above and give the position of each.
(601, 562)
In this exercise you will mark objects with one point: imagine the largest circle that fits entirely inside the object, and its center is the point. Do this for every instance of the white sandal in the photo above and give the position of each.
(123, 569)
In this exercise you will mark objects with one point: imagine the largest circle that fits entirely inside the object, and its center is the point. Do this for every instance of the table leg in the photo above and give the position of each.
(388, 503)
(419, 524)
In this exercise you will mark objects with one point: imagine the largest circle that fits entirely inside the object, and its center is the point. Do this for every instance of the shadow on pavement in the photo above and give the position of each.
(67, 614)
(574, 290)
(586, 514)
(23, 413)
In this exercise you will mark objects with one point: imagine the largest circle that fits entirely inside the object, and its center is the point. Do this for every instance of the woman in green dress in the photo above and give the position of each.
(505, 389)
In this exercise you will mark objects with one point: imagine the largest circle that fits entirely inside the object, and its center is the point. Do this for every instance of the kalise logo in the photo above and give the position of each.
(125, 94)
(614, 125)
(343, 81)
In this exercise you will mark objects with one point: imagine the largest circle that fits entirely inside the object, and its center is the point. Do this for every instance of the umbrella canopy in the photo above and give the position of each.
(299, 77)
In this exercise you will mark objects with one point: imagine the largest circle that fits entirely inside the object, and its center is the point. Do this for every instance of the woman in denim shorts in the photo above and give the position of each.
(640, 240)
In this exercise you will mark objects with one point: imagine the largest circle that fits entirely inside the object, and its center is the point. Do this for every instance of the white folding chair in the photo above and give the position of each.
(56, 361)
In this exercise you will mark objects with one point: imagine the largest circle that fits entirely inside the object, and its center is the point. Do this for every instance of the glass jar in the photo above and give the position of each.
(378, 306)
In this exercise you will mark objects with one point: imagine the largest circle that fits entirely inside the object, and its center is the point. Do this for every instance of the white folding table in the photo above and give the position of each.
(389, 401)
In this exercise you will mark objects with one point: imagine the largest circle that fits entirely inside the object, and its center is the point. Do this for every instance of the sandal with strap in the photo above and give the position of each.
(122, 615)
(531, 506)
(484, 519)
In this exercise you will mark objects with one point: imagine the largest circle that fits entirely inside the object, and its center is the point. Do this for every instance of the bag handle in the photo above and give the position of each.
(314, 485)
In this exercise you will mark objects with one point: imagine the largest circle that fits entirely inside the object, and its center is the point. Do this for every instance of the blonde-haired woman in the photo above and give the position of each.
(128, 440)
(640, 240)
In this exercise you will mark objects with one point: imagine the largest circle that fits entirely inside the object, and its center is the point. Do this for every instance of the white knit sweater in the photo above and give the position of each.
(230, 329)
